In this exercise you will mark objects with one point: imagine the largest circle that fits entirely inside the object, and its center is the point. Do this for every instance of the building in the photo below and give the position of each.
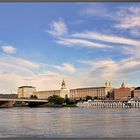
(98, 92)
(46, 94)
(136, 93)
(26, 91)
(63, 92)
(122, 93)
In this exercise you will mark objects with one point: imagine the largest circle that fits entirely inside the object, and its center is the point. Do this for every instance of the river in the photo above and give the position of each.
(69, 123)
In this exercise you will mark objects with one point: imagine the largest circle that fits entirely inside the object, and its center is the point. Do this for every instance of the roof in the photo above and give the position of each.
(47, 91)
(89, 88)
(137, 88)
(26, 87)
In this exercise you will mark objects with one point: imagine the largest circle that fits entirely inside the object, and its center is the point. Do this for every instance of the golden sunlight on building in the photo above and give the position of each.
(63, 92)
(26, 91)
(98, 92)
(122, 93)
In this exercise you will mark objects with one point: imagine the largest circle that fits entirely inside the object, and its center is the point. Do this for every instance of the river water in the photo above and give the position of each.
(69, 123)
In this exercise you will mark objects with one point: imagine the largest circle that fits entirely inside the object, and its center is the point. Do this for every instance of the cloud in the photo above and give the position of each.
(107, 38)
(58, 28)
(17, 65)
(9, 49)
(111, 70)
(94, 10)
(81, 42)
(129, 19)
(15, 72)
(66, 68)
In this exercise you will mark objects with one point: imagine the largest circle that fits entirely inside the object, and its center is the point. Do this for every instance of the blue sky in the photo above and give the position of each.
(84, 43)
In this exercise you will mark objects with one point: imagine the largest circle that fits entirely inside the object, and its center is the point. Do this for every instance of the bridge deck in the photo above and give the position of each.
(24, 100)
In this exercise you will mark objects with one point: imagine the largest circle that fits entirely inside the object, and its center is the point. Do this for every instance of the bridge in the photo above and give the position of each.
(8, 102)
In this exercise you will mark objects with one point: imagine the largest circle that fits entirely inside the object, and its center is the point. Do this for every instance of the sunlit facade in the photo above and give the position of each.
(122, 93)
(99, 92)
(26, 91)
(45, 94)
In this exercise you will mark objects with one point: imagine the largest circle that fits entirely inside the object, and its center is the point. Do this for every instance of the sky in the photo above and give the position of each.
(86, 44)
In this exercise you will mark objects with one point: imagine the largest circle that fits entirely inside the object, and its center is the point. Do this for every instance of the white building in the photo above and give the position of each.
(63, 92)
(26, 91)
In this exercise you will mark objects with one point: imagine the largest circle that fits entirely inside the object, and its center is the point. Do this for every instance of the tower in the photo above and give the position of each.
(110, 84)
(63, 92)
(106, 85)
(123, 85)
(63, 85)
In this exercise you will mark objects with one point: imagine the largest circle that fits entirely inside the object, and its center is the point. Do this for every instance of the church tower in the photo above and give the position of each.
(63, 85)
(108, 84)
(64, 91)
(123, 85)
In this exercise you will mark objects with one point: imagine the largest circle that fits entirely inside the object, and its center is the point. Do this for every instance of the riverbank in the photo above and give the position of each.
(44, 105)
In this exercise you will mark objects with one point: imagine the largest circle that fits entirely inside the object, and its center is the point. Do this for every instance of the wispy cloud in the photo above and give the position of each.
(81, 42)
(58, 28)
(94, 10)
(65, 68)
(9, 49)
(107, 38)
(129, 19)
(115, 71)
(17, 65)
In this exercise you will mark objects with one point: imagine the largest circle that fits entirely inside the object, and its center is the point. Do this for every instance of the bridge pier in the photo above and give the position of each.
(6, 104)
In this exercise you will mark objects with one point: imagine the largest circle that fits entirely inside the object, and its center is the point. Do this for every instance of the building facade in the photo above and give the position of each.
(26, 91)
(46, 94)
(63, 92)
(99, 92)
(136, 93)
(122, 93)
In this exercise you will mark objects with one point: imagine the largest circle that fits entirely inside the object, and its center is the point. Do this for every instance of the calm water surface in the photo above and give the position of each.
(69, 123)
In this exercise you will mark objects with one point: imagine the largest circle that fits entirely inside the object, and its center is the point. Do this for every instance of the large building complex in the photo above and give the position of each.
(26, 91)
(103, 92)
(98, 92)
(122, 93)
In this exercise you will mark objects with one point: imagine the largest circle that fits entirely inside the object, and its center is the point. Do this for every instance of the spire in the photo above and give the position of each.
(63, 85)
(110, 84)
(106, 84)
(123, 85)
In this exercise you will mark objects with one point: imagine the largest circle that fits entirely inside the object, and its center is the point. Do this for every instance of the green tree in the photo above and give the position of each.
(55, 99)
(33, 97)
(88, 98)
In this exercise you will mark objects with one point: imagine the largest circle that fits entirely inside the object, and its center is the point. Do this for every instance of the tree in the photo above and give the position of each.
(95, 97)
(33, 97)
(88, 98)
(55, 99)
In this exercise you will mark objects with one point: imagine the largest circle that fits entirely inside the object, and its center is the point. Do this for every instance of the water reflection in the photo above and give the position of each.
(69, 122)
